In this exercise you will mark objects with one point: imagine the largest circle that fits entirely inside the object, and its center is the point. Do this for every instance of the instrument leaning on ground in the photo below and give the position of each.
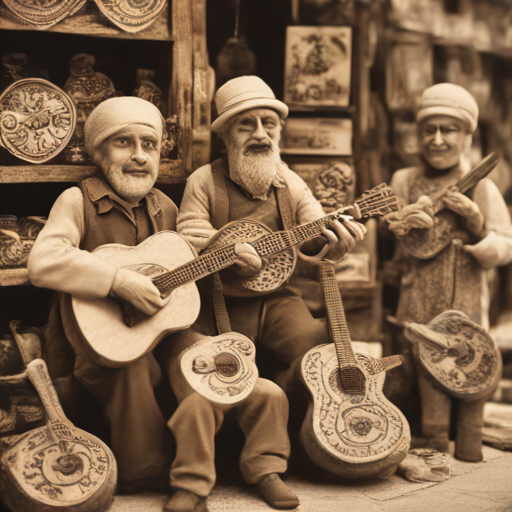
(113, 334)
(56, 466)
(460, 355)
(351, 430)
(426, 243)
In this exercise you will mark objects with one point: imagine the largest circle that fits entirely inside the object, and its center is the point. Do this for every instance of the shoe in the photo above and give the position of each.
(186, 501)
(275, 493)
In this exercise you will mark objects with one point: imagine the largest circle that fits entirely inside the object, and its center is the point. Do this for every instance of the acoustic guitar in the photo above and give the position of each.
(114, 335)
(460, 355)
(426, 243)
(351, 430)
(57, 466)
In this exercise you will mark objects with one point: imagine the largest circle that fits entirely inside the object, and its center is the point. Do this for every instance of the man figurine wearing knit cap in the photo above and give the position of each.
(123, 137)
(454, 278)
(252, 183)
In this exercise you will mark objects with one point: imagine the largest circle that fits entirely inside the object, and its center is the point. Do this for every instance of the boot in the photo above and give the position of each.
(275, 493)
(186, 501)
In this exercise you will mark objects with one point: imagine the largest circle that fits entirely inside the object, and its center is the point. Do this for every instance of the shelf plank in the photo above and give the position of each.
(13, 276)
(88, 21)
(351, 109)
(171, 172)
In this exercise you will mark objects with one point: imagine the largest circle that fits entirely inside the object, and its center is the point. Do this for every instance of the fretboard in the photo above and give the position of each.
(198, 268)
(336, 314)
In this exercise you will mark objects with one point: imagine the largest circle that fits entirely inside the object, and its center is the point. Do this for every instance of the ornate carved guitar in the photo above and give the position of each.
(114, 335)
(57, 466)
(458, 353)
(351, 430)
(426, 243)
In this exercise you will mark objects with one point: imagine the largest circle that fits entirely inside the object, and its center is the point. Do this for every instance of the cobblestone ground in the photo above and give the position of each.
(481, 487)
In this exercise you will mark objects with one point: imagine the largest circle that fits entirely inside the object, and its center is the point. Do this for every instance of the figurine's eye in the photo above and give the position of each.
(149, 144)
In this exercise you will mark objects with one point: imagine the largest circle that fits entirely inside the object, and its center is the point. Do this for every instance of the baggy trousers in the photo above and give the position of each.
(137, 425)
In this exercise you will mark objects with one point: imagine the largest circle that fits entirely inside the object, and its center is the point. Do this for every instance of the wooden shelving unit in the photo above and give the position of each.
(171, 172)
(13, 276)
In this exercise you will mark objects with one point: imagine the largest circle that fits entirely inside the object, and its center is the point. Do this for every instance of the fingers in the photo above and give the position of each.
(317, 258)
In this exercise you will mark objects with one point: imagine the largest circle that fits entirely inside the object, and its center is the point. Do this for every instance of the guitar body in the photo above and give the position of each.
(465, 361)
(427, 243)
(56, 467)
(96, 327)
(277, 268)
(350, 437)
(221, 368)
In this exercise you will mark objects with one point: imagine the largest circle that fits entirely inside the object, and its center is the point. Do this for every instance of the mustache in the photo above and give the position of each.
(135, 168)
(259, 147)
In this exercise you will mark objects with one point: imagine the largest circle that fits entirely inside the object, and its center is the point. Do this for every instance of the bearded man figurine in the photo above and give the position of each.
(123, 137)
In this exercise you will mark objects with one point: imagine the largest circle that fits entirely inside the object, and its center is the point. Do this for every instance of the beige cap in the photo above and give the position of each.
(244, 93)
(450, 100)
(115, 113)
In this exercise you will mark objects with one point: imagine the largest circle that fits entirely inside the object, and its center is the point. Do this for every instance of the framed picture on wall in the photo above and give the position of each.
(318, 64)
(315, 136)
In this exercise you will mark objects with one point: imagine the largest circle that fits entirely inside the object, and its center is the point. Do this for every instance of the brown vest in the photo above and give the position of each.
(108, 218)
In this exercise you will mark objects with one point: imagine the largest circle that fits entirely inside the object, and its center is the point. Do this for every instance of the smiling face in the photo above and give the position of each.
(442, 140)
(130, 161)
(252, 139)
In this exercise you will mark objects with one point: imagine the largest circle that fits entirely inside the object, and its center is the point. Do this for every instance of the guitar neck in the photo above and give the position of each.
(195, 269)
(378, 201)
(336, 315)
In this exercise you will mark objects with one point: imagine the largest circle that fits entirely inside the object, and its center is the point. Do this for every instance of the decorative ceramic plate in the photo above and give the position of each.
(131, 15)
(37, 120)
(44, 13)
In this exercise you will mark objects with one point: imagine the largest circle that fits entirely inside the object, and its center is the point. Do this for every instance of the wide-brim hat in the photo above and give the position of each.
(450, 100)
(244, 93)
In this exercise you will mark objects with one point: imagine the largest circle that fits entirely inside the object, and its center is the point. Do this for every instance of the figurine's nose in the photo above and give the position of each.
(438, 139)
(139, 156)
(260, 132)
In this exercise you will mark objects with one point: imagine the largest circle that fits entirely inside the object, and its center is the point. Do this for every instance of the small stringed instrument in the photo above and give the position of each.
(114, 335)
(221, 368)
(57, 466)
(426, 243)
(351, 430)
(458, 353)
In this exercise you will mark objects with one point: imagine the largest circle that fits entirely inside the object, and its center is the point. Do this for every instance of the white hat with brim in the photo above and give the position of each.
(244, 93)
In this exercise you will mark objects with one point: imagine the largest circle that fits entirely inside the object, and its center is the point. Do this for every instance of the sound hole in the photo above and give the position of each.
(227, 365)
(68, 464)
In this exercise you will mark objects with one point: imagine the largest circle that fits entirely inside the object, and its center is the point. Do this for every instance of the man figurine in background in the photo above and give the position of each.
(123, 137)
(455, 277)
(253, 183)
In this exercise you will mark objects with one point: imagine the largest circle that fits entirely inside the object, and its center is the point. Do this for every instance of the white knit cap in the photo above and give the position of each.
(451, 100)
(115, 113)
(244, 93)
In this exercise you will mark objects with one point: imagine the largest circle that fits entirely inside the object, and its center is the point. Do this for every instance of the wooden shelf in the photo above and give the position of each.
(351, 109)
(13, 276)
(171, 171)
(88, 21)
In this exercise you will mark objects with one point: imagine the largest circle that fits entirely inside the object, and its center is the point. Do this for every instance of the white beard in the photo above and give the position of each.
(130, 188)
(254, 172)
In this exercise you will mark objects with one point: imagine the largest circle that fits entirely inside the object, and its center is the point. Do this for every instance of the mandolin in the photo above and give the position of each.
(57, 466)
(426, 243)
(460, 355)
(351, 430)
(112, 334)
(221, 368)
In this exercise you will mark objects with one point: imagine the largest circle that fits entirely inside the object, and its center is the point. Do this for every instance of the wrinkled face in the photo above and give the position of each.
(442, 140)
(130, 161)
(252, 139)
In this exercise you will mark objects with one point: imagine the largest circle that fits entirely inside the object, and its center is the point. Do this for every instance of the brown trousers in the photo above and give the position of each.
(137, 425)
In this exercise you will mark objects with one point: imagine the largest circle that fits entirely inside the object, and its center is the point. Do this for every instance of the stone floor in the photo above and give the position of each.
(481, 487)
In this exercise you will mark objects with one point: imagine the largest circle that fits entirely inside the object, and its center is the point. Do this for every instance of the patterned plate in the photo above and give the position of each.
(131, 15)
(44, 13)
(37, 120)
